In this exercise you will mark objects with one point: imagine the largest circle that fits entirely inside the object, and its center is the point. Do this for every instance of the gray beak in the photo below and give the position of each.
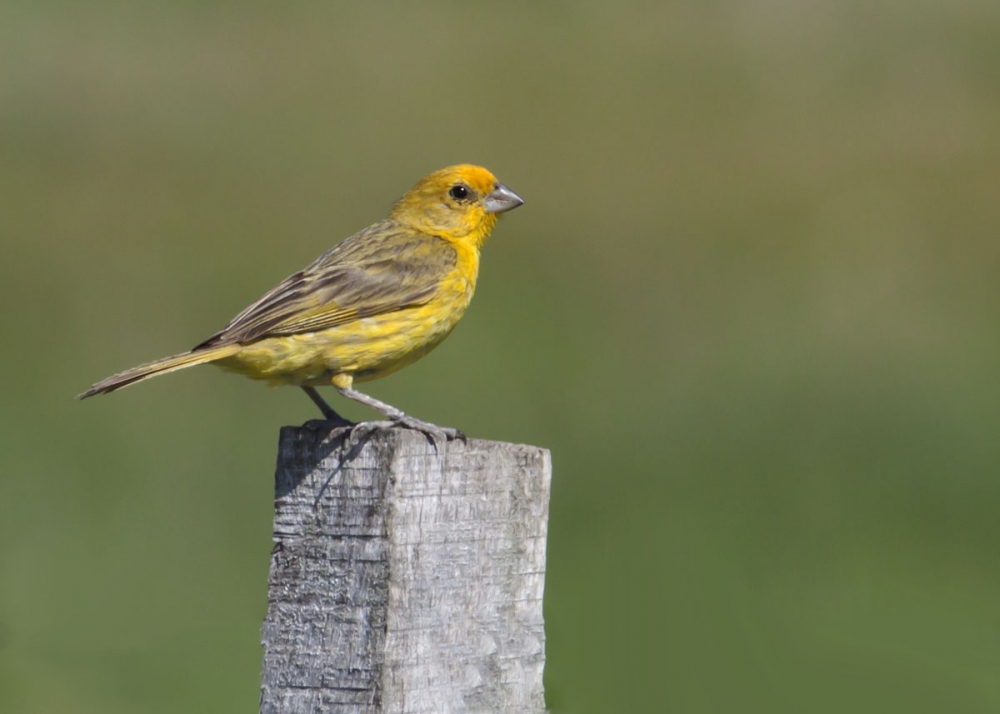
(502, 199)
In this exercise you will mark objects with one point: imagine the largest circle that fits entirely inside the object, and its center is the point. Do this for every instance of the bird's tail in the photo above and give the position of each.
(160, 366)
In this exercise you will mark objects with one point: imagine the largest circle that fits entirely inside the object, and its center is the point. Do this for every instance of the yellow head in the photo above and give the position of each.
(457, 203)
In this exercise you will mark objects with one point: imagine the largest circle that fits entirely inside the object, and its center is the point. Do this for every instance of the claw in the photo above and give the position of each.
(433, 433)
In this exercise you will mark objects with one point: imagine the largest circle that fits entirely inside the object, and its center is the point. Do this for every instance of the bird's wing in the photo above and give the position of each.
(381, 269)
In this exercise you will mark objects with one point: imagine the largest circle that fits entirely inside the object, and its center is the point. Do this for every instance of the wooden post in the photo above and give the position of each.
(405, 579)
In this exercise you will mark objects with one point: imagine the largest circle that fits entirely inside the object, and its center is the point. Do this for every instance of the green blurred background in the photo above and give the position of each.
(751, 305)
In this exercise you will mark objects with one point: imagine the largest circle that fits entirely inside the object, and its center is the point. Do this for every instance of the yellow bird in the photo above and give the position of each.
(370, 305)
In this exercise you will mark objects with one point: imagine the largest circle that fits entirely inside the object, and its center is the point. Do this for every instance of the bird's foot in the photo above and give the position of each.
(433, 432)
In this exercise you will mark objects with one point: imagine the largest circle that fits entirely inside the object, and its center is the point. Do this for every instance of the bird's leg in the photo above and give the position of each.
(328, 411)
(342, 383)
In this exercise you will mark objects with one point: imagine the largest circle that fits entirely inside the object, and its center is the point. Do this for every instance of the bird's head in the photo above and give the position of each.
(457, 203)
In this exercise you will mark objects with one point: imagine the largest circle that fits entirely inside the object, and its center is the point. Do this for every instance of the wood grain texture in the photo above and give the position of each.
(405, 580)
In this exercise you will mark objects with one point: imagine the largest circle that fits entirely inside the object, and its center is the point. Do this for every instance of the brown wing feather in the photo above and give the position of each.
(385, 267)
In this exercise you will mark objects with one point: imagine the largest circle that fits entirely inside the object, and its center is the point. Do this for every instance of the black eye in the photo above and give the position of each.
(459, 191)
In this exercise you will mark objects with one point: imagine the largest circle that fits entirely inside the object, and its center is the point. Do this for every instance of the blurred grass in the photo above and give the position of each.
(750, 305)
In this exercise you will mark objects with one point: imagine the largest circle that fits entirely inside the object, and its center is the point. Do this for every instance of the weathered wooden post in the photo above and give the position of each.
(404, 578)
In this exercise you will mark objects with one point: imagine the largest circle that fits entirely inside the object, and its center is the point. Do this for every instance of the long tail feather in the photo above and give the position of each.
(160, 366)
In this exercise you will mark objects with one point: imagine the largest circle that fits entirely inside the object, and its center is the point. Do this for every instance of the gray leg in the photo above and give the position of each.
(398, 417)
(328, 411)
